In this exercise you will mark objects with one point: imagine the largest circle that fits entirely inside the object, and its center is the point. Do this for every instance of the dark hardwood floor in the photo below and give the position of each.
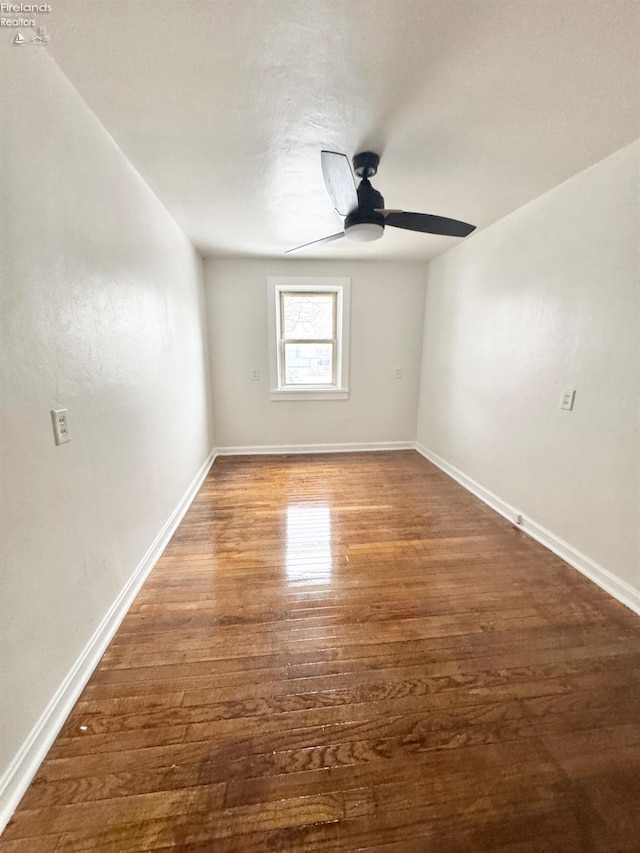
(349, 652)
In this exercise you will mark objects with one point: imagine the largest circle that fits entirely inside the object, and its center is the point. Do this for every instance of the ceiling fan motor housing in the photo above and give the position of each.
(368, 198)
(365, 223)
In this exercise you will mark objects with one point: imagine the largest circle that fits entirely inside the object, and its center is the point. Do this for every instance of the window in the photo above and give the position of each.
(308, 332)
(308, 340)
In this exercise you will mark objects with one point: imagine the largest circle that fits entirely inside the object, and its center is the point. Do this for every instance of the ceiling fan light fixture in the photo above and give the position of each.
(364, 232)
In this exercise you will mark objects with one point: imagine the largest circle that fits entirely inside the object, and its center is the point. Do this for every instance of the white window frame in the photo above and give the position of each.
(341, 287)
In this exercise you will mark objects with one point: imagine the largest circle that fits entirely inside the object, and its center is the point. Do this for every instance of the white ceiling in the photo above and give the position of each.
(476, 106)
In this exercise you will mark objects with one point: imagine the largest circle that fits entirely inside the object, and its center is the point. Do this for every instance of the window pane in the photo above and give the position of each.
(308, 364)
(308, 316)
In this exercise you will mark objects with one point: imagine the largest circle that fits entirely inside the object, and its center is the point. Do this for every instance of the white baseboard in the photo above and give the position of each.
(17, 777)
(286, 449)
(496, 503)
(615, 586)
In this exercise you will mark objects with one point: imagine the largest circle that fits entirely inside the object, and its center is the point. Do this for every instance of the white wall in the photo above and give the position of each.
(387, 305)
(101, 311)
(544, 300)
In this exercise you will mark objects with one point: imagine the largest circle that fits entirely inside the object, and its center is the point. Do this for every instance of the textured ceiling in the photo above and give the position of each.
(476, 106)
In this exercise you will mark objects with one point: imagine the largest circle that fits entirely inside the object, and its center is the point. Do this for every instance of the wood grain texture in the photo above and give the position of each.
(350, 653)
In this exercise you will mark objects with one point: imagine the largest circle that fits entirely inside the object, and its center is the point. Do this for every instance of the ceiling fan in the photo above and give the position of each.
(363, 206)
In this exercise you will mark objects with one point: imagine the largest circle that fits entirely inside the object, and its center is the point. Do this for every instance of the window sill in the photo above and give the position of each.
(291, 394)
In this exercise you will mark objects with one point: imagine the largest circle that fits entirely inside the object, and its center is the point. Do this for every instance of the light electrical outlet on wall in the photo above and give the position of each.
(60, 418)
(568, 396)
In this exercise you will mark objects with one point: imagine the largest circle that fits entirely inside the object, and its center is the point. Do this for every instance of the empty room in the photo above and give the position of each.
(320, 409)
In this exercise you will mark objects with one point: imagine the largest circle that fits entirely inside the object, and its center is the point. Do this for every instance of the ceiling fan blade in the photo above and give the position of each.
(428, 224)
(315, 243)
(339, 181)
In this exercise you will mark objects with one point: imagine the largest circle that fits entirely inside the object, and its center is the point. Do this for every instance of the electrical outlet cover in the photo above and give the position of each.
(60, 418)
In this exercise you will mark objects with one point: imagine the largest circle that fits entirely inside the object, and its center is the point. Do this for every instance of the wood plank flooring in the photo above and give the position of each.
(351, 653)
